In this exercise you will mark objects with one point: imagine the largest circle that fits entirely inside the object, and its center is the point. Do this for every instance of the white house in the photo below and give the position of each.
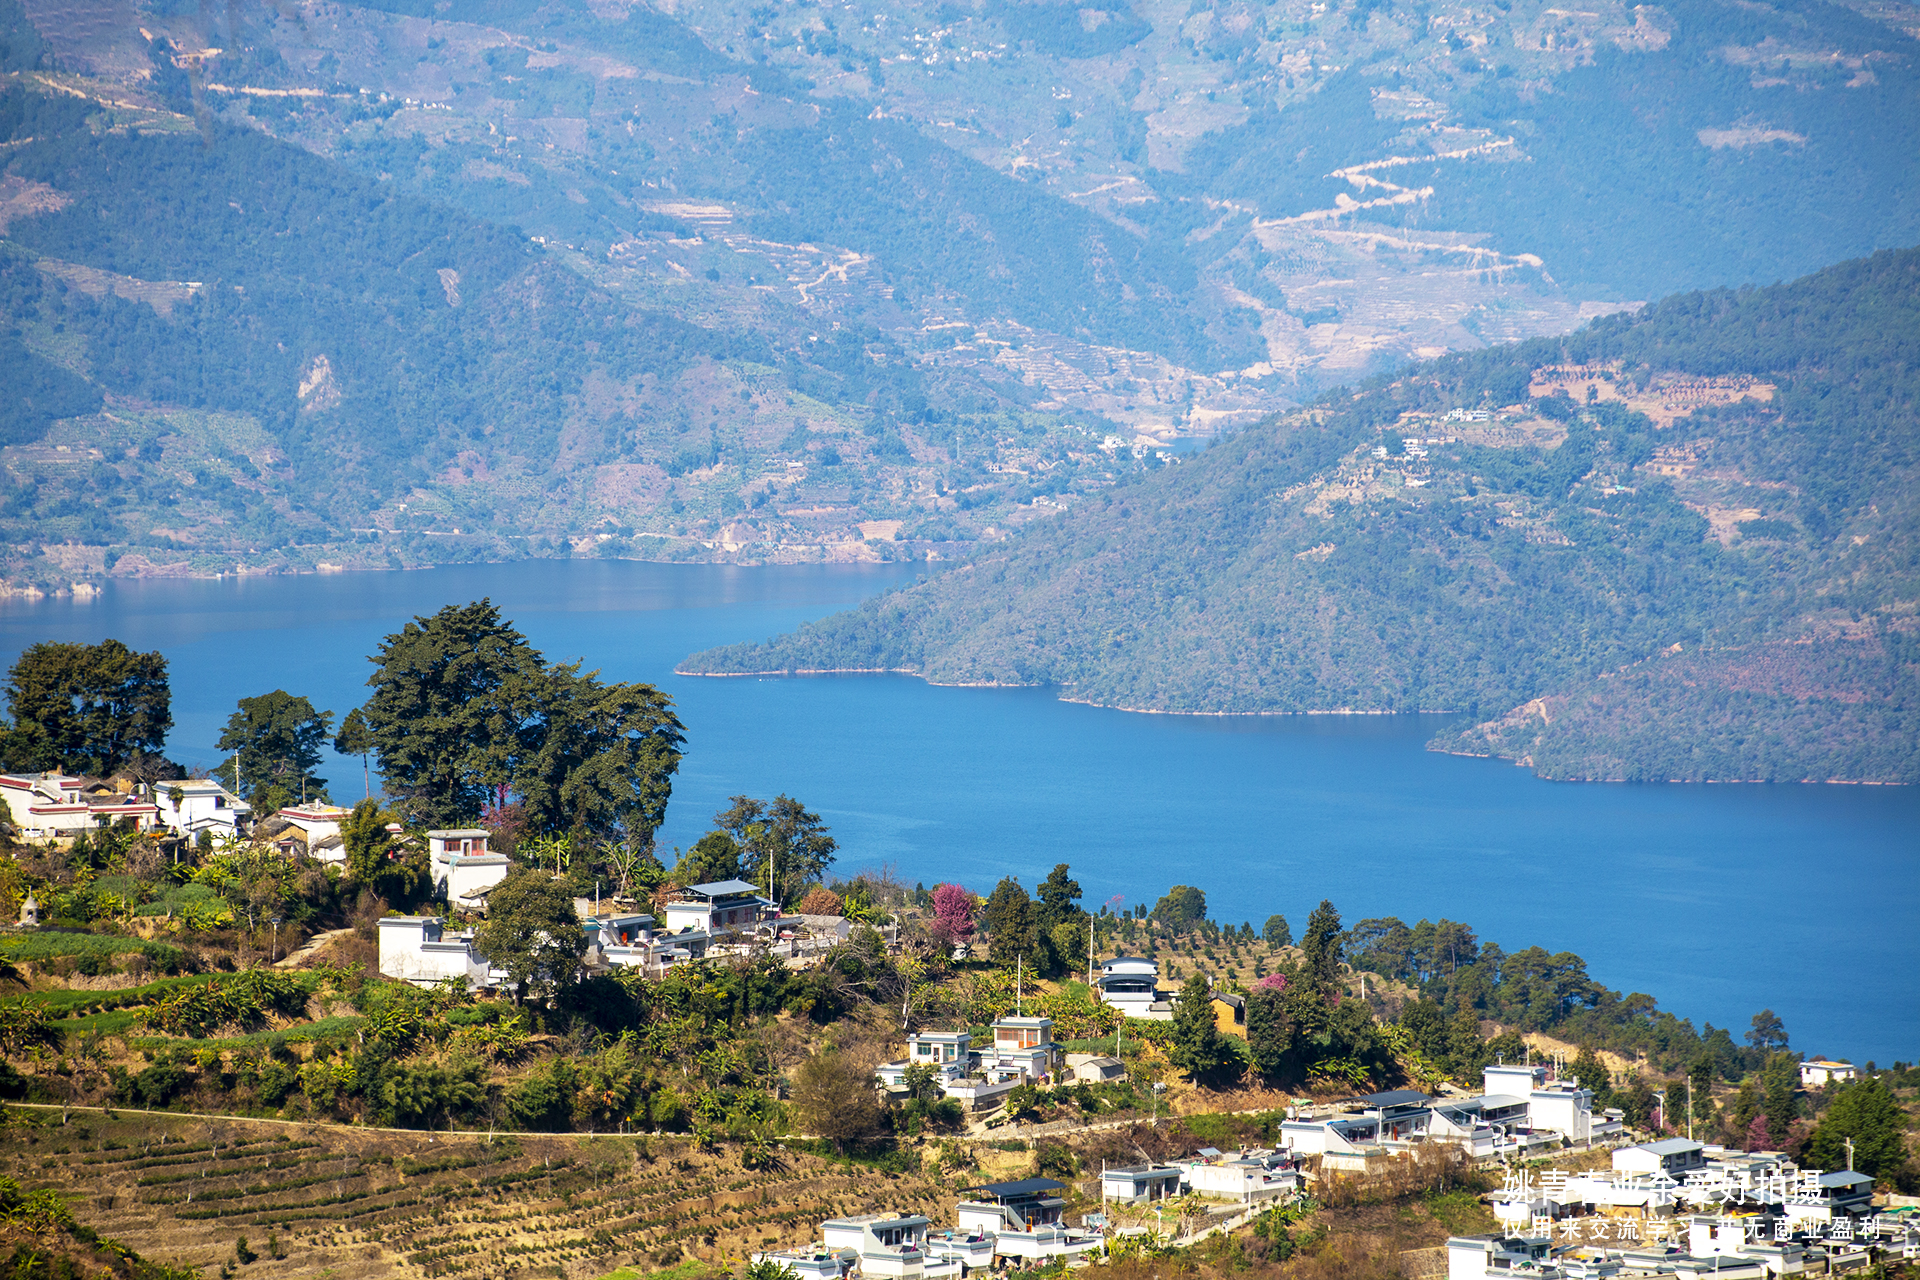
(47, 806)
(632, 941)
(1139, 1183)
(204, 805)
(1131, 985)
(464, 868)
(890, 1245)
(1095, 1068)
(723, 907)
(1674, 1157)
(949, 1053)
(1247, 1178)
(418, 949)
(1025, 1219)
(1025, 1044)
(319, 828)
(1819, 1073)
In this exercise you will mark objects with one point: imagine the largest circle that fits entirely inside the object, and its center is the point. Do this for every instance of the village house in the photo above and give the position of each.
(891, 1245)
(189, 806)
(1095, 1068)
(464, 869)
(309, 829)
(1131, 985)
(420, 950)
(725, 907)
(1139, 1183)
(1025, 1219)
(56, 806)
(1247, 1178)
(619, 941)
(1230, 1013)
(1819, 1073)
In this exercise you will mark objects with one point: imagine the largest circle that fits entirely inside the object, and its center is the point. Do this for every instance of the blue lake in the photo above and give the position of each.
(1718, 900)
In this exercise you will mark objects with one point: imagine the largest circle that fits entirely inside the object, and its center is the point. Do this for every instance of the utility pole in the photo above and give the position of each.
(1849, 1142)
(1689, 1108)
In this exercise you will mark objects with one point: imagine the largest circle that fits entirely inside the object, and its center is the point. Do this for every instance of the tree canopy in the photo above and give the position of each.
(463, 706)
(782, 835)
(85, 708)
(531, 931)
(275, 739)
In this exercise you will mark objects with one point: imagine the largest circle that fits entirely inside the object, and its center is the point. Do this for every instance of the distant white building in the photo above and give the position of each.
(1672, 1157)
(1131, 985)
(1819, 1073)
(203, 805)
(318, 831)
(420, 950)
(722, 907)
(49, 806)
(464, 868)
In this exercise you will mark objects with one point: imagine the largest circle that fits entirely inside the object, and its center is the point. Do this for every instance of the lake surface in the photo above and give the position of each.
(1717, 900)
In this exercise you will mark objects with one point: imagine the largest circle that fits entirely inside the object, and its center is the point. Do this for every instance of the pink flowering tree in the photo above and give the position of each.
(952, 915)
(1272, 982)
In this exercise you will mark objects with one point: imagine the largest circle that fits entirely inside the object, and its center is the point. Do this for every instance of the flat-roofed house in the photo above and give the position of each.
(1819, 1073)
(421, 950)
(1674, 1157)
(203, 805)
(721, 908)
(464, 867)
(1131, 985)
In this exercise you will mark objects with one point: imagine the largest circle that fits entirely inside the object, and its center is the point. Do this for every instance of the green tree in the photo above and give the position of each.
(447, 710)
(1593, 1074)
(1059, 897)
(356, 739)
(835, 1098)
(782, 835)
(531, 931)
(1278, 932)
(714, 857)
(463, 707)
(1768, 1032)
(1182, 908)
(1779, 1078)
(1322, 947)
(1198, 1047)
(1866, 1111)
(85, 708)
(275, 739)
(366, 839)
(1700, 1079)
(1008, 917)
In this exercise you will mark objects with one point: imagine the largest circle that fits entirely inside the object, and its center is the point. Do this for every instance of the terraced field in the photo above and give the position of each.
(344, 1203)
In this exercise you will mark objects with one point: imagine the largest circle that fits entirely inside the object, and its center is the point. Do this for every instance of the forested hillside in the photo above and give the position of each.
(1680, 545)
(395, 284)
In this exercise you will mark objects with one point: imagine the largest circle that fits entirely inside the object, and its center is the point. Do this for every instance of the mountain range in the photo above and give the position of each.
(1673, 545)
(407, 282)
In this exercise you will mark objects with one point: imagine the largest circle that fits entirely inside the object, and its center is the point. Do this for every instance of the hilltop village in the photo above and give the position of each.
(488, 1030)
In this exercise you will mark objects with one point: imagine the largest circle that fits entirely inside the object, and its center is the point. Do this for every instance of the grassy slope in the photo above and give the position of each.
(1236, 585)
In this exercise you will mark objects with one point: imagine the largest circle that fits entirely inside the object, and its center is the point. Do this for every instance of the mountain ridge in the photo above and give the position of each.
(1488, 552)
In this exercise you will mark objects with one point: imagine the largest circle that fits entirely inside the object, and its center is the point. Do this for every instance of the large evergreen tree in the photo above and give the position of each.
(1059, 899)
(463, 707)
(1008, 917)
(275, 741)
(85, 708)
(1198, 1047)
(1866, 1111)
(782, 838)
(1321, 944)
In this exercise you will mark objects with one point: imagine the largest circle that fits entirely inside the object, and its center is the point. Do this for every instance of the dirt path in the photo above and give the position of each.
(313, 944)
